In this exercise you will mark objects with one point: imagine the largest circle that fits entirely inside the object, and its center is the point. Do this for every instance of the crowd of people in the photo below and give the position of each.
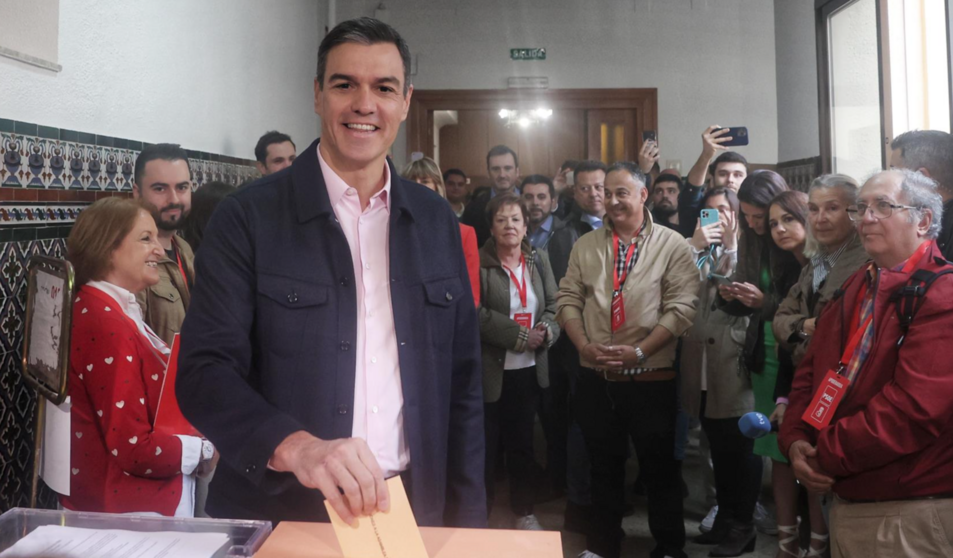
(343, 323)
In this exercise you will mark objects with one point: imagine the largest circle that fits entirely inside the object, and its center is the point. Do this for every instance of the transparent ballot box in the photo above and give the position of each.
(245, 537)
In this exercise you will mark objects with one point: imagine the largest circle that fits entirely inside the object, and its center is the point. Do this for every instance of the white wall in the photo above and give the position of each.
(713, 61)
(212, 75)
(797, 79)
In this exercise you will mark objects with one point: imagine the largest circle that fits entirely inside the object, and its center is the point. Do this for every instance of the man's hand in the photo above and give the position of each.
(205, 468)
(648, 155)
(333, 466)
(807, 326)
(559, 180)
(537, 336)
(712, 140)
(606, 357)
(806, 469)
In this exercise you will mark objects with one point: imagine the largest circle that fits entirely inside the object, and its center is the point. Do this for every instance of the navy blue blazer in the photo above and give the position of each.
(268, 345)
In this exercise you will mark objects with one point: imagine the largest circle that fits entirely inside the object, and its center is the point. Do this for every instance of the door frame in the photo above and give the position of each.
(423, 103)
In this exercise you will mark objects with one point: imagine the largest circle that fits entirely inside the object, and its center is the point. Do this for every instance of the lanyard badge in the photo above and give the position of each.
(618, 304)
(524, 319)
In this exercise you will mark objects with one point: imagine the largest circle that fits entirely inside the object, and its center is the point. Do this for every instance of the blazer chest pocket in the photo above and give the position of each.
(286, 309)
(166, 291)
(442, 296)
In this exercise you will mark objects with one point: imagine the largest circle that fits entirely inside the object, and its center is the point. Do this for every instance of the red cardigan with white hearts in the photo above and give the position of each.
(118, 464)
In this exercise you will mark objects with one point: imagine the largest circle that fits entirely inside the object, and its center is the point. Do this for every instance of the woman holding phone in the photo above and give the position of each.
(517, 327)
(712, 389)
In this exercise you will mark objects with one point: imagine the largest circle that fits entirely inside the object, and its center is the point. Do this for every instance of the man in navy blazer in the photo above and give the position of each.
(278, 345)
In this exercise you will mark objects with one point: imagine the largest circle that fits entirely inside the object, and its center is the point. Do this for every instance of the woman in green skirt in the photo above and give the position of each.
(762, 279)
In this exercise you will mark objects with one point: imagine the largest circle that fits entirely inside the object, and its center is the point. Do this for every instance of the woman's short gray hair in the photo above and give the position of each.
(845, 184)
(920, 191)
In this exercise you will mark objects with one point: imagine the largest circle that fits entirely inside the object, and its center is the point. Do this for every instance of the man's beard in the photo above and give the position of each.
(165, 225)
(664, 211)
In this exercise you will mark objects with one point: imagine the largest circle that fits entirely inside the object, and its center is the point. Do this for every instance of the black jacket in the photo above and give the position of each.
(475, 215)
(267, 345)
(562, 241)
(945, 240)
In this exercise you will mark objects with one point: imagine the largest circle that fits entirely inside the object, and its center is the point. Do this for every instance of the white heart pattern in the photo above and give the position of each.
(80, 376)
(107, 309)
(129, 358)
(75, 471)
(134, 439)
(100, 413)
(142, 400)
(78, 299)
(158, 450)
(121, 404)
(115, 453)
(148, 471)
(84, 311)
(155, 377)
(109, 360)
(89, 367)
(79, 435)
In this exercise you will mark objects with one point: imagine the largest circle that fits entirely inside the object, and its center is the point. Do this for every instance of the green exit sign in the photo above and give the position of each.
(528, 53)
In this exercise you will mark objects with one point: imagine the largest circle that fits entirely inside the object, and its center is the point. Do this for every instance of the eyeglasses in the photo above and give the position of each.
(881, 209)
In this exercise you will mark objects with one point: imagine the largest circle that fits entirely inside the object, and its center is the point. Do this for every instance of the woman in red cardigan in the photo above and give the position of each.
(117, 367)
(425, 171)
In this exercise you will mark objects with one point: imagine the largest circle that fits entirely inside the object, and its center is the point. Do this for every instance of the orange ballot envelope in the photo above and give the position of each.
(383, 535)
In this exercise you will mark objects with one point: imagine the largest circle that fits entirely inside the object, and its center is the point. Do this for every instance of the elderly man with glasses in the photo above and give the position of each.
(870, 416)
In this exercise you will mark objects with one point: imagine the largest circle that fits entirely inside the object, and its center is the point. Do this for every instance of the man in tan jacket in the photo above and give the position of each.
(629, 293)
(163, 182)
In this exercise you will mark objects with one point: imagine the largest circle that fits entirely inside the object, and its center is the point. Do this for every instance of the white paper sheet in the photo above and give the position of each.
(54, 469)
(54, 541)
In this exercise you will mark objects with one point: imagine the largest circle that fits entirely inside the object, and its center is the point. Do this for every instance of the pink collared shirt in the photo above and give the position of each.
(378, 398)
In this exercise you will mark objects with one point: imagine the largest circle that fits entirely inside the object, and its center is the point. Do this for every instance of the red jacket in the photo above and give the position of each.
(472, 255)
(892, 435)
(118, 465)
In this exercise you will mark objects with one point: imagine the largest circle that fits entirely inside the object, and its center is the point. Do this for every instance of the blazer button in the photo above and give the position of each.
(449, 297)
(344, 281)
(342, 409)
(251, 469)
(711, 340)
(293, 297)
(345, 346)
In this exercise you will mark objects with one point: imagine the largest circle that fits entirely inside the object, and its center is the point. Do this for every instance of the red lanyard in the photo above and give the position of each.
(181, 269)
(520, 288)
(858, 305)
(617, 281)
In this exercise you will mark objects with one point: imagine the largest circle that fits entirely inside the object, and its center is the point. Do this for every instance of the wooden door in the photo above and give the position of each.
(612, 135)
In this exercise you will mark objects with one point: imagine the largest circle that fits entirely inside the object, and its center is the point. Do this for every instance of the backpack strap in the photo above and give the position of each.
(911, 297)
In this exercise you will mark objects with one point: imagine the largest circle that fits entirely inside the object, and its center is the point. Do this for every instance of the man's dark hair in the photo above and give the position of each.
(457, 172)
(727, 157)
(498, 150)
(590, 166)
(270, 138)
(631, 168)
(928, 149)
(366, 31)
(163, 151)
(668, 177)
(570, 164)
(539, 179)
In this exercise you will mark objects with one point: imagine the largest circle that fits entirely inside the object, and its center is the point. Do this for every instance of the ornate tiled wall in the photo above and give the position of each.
(47, 177)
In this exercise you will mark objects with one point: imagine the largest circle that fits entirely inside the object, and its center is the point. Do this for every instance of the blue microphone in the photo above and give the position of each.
(756, 425)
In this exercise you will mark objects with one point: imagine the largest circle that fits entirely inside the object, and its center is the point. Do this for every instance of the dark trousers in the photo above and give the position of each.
(554, 413)
(737, 469)
(511, 419)
(609, 413)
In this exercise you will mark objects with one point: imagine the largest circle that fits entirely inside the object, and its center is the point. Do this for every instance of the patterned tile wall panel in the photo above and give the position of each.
(17, 400)
(47, 176)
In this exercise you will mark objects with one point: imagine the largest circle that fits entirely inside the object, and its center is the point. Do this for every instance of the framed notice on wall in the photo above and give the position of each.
(49, 303)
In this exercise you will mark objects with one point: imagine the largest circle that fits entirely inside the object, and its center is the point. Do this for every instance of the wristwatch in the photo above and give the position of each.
(208, 451)
(640, 355)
